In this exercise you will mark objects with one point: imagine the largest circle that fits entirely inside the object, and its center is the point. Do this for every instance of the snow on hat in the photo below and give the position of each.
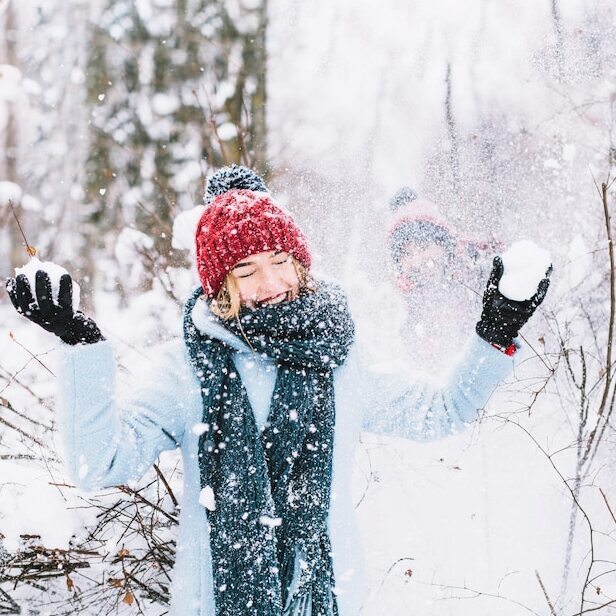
(416, 221)
(238, 223)
(233, 176)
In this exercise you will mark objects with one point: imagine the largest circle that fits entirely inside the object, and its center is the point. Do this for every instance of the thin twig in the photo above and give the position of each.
(610, 335)
(574, 496)
(530, 346)
(594, 609)
(607, 505)
(31, 250)
(144, 500)
(166, 484)
(32, 355)
(545, 593)
(23, 432)
(480, 593)
(7, 405)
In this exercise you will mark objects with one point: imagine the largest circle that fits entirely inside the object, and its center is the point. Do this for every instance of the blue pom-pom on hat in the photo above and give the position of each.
(402, 197)
(233, 176)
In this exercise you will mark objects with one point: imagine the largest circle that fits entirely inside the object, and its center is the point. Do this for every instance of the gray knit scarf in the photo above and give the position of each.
(271, 488)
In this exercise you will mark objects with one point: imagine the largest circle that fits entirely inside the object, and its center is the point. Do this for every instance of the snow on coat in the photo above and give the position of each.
(109, 442)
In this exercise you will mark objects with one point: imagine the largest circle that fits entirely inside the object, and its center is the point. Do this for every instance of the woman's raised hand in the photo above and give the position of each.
(501, 317)
(71, 326)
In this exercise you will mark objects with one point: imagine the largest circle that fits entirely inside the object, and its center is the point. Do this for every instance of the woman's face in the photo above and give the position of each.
(266, 278)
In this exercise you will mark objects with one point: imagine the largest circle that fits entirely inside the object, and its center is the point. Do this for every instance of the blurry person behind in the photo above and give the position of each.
(436, 271)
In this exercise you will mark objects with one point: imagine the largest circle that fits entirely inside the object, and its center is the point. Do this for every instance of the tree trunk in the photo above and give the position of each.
(258, 68)
(16, 253)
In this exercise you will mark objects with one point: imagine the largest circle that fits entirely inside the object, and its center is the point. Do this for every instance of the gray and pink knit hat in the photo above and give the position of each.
(416, 221)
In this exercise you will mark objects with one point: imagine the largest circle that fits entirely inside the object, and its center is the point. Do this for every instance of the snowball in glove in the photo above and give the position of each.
(54, 271)
(501, 317)
(71, 326)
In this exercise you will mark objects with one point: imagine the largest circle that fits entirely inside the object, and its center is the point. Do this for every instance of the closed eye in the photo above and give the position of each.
(245, 275)
(283, 261)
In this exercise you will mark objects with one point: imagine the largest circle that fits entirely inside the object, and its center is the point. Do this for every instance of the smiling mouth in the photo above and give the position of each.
(276, 299)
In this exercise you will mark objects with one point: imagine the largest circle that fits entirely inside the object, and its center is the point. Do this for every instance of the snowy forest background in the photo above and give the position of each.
(112, 113)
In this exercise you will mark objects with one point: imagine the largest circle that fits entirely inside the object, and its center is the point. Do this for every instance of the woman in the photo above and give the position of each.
(266, 396)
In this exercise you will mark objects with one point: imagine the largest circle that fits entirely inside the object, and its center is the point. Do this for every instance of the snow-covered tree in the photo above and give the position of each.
(175, 87)
(10, 93)
(50, 128)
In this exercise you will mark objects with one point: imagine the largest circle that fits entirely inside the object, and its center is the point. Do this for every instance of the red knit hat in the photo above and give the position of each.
(240, 223)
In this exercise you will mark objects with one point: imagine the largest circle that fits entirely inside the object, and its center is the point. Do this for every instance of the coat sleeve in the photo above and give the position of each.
(422, 408)
(106, 440)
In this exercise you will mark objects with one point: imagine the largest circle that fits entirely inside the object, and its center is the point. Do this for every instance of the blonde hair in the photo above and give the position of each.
(227, 304)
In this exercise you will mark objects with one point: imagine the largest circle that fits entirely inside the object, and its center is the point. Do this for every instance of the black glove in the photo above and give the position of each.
(59, 319)
(501, 317)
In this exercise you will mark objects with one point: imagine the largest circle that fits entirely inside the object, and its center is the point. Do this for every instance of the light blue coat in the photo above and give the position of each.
(108, 441)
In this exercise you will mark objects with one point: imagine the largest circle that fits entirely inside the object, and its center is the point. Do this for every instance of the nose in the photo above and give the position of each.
(271, 284)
